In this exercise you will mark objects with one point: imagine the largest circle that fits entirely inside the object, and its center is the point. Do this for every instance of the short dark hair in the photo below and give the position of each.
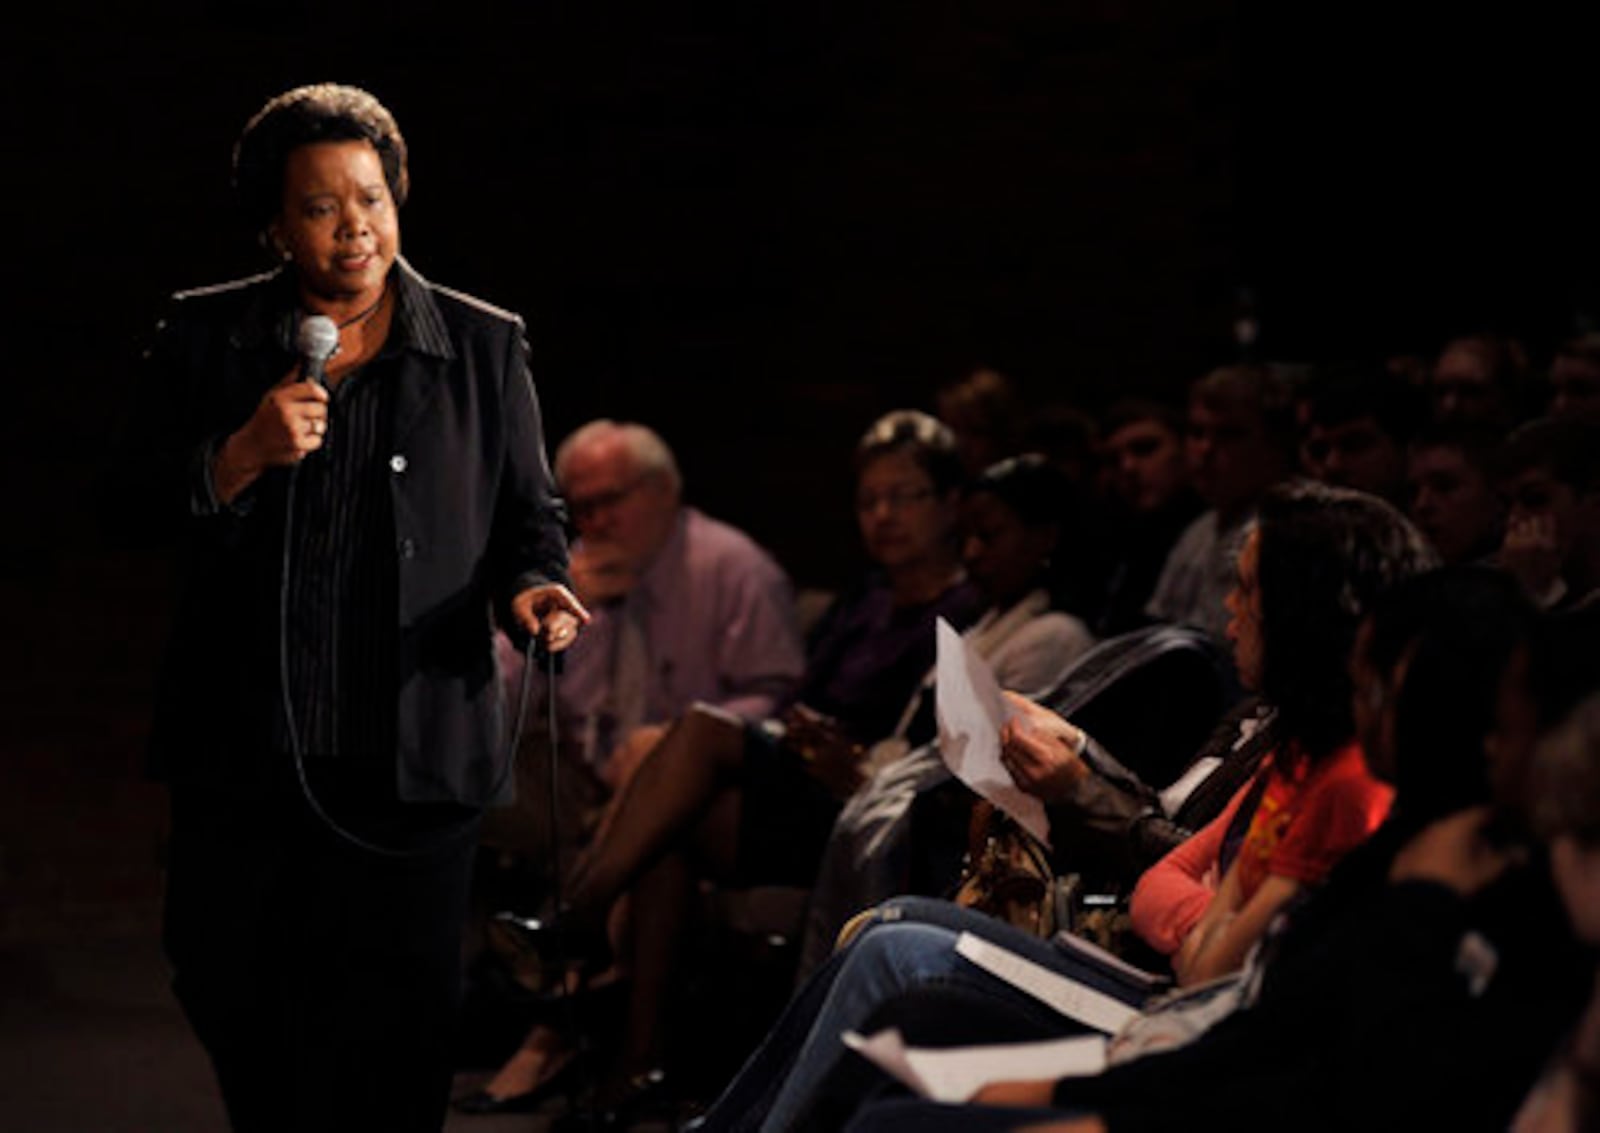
(923, 437)
(1342, 393)
(1584, 347)
(1568, 446)
(1326, 555)
(1502, 355)
(1264, 389)
(320, 112)
(1477, 441)
(1132, 410)
(1457, 626)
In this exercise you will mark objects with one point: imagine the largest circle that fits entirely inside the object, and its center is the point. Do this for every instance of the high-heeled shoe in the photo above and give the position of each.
(562, 1079)
(650, 1096)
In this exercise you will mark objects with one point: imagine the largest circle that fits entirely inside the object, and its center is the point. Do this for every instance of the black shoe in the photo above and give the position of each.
(644, 1097)
(562, 1079)
(481, 1102)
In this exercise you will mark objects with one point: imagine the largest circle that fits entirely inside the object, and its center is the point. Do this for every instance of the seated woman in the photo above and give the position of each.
(1012, 522)
(753, 803)
(1316, 561)
(1422, 987)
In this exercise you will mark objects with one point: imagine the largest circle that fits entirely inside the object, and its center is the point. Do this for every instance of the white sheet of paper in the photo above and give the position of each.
(1073, 999)
(954, 1074)
(971, 711)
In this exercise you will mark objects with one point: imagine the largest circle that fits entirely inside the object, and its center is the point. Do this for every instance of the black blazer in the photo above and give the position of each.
(476, 520)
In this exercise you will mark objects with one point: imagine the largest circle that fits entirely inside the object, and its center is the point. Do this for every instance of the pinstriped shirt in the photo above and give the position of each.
(342, 592)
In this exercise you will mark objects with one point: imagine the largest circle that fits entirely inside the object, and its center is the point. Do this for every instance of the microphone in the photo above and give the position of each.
(317, 339)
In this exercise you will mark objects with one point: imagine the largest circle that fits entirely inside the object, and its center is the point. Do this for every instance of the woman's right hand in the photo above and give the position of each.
(1042, 751)
(288, 425)
(833, 756)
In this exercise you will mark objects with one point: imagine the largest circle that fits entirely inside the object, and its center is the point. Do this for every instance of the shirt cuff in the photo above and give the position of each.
(203, 499)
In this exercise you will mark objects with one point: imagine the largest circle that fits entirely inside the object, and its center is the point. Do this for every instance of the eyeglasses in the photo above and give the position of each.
(583, 508)
(898, 499)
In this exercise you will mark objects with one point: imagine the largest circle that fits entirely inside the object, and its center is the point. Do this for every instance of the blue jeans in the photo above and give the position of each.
(903, 963)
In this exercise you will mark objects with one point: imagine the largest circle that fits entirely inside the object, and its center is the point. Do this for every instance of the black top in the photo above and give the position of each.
(433, 508)
(341, 632)
(1384, 1006)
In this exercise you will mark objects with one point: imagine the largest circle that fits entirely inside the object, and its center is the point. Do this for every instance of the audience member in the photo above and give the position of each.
(984, 411)
(1150, 501)
(1550, 477)
(686, 609)
(1453, 499)
(753, 801)
(1357, 428)
(1241, 441)
(1480, 376)
(1565, 812)
(1013, 532)
(1575, 377)
(1427, 978)
(1319, 558)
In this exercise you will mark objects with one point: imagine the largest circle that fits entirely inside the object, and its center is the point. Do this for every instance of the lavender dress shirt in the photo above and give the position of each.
(720, 625)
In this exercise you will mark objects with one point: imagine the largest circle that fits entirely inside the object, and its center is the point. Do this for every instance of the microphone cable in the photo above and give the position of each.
(467, 826)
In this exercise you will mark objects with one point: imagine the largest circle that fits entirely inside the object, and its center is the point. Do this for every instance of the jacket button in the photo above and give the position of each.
(408, 548)
(397, 462)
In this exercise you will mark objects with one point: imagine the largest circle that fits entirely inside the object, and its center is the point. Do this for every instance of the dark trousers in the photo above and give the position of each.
(322, 979)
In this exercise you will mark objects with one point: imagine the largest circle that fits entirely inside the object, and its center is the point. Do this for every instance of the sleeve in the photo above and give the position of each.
(157, 480)
(528, 546)
(1172, 596)
(1035, 660)
(1173, 894)
(1337, 816)
(1111, 822)
(1446, 1050)
(760, 656)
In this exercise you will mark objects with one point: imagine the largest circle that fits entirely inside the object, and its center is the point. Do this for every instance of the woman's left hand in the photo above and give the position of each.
(552, 613)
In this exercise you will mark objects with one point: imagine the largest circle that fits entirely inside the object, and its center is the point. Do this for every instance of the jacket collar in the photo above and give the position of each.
(272, 315)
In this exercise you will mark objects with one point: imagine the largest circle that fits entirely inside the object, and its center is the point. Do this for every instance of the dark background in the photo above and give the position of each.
(754, 226)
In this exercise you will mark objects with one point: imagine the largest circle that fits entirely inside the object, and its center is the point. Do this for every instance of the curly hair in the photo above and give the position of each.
(320, 112)
(1326, 555)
